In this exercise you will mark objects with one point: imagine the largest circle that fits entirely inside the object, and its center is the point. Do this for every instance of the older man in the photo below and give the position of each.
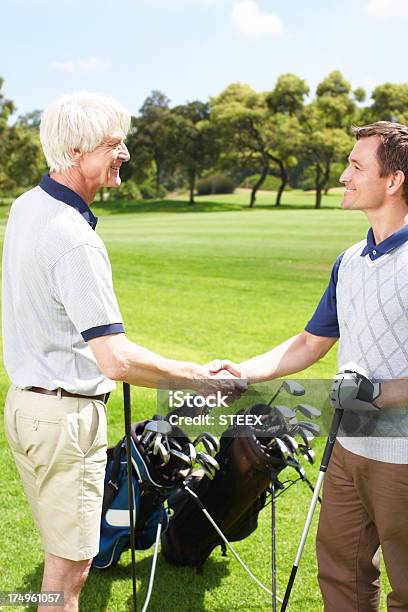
(365, 307)
(64, 340)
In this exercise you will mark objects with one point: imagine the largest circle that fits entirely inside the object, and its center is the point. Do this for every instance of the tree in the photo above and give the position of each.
(21, 158)
(195, 146)
(321, 146)
(390, 103)
(6, 141)
(286, 102)
(288, 96)
(252, 136)
(150, 139)
(30, 120)
(335, 101)
(26, 161)
(325, 128)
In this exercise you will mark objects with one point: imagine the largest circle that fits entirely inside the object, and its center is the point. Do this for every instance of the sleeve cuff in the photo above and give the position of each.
(319, 330)
(103, 330)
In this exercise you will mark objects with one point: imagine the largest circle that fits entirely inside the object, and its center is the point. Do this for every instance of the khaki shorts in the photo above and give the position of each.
(59, 446)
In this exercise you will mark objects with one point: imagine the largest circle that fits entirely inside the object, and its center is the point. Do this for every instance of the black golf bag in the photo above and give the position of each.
(152, 484)
(233, 498)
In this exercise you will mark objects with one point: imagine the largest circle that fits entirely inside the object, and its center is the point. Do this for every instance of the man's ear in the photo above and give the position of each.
(75, 154)
(396, 181)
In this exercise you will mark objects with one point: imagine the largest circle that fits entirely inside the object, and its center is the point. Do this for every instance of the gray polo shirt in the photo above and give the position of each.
(57, 292)
(366, 306)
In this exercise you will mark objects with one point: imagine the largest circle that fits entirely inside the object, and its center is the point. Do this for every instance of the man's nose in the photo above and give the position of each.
(344, 177)
(124, 154)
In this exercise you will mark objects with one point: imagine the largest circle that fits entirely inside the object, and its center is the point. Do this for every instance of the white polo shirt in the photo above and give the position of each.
(57, 292)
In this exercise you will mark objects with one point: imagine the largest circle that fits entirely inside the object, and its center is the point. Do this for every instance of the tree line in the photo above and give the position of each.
(299, 139)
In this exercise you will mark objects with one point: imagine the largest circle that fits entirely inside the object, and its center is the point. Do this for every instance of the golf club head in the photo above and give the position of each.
(293, 388)
(155, 443)
(162, 427)
(174, 444)
(307, 453)
(146, 437)
(209, 448)
(164, 454)
(183, 458)
(290, 442)
(283, 449)
(312, 427)
(294, 463)
(208, 460)
(307, 438)
(191, 452)
(308, 411)
(204, 466)
(285, 412)
(214, 441)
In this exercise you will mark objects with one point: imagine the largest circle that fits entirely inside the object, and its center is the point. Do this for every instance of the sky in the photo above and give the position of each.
(193, 49)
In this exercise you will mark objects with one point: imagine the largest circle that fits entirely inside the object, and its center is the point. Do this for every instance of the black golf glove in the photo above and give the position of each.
(351, 384)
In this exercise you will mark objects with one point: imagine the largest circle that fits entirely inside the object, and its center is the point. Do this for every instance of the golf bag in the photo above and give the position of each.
(151, 486)
(233, 498)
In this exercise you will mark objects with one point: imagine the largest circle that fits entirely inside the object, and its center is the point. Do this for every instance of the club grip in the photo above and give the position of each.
(289, 588)
(331, 439)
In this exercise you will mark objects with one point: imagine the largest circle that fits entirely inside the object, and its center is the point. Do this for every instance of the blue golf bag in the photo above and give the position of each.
(151, 487)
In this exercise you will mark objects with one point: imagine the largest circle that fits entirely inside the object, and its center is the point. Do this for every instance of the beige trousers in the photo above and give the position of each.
(59, 447)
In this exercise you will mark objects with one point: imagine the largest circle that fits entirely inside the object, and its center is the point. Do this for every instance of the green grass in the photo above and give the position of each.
(222, 282)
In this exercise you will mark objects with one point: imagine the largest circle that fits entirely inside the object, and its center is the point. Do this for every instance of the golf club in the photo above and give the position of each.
(290, 442)
(154, 559)
(291, 387)
(273, 521)
(192, 453)
(281, 447)
(181, 456)
(220, 533)
(311, 427)
(155, 443)
(307, 437)
(309, 411)
(307, 453)
(207, 460)
(128, 419)
(285, 412)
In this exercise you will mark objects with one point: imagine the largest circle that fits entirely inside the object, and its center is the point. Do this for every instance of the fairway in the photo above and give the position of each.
(218, 281)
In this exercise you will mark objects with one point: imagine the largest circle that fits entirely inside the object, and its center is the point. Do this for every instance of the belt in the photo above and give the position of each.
(103, 397)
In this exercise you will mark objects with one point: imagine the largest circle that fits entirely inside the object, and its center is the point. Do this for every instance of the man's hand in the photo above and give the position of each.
(351, 384)
(213, 377)
(219, 365)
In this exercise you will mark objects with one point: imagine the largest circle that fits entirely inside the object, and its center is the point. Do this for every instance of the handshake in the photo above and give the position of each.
(220, 376)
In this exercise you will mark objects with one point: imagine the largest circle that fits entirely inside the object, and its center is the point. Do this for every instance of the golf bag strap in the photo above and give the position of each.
(112, 486)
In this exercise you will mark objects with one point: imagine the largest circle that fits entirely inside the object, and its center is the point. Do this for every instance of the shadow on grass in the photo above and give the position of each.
(103, 209)
(181, 206)
(31, 583)
(181, 589)
(175, 588)
(161, 206)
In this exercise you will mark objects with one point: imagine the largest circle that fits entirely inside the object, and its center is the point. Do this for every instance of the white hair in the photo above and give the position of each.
(79, 121)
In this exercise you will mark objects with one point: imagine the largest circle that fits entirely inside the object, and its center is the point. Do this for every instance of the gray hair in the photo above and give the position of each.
(79, 121)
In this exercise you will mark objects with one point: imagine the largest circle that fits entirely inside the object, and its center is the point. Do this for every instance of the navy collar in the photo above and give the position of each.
(66, 195)
(389, 244)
